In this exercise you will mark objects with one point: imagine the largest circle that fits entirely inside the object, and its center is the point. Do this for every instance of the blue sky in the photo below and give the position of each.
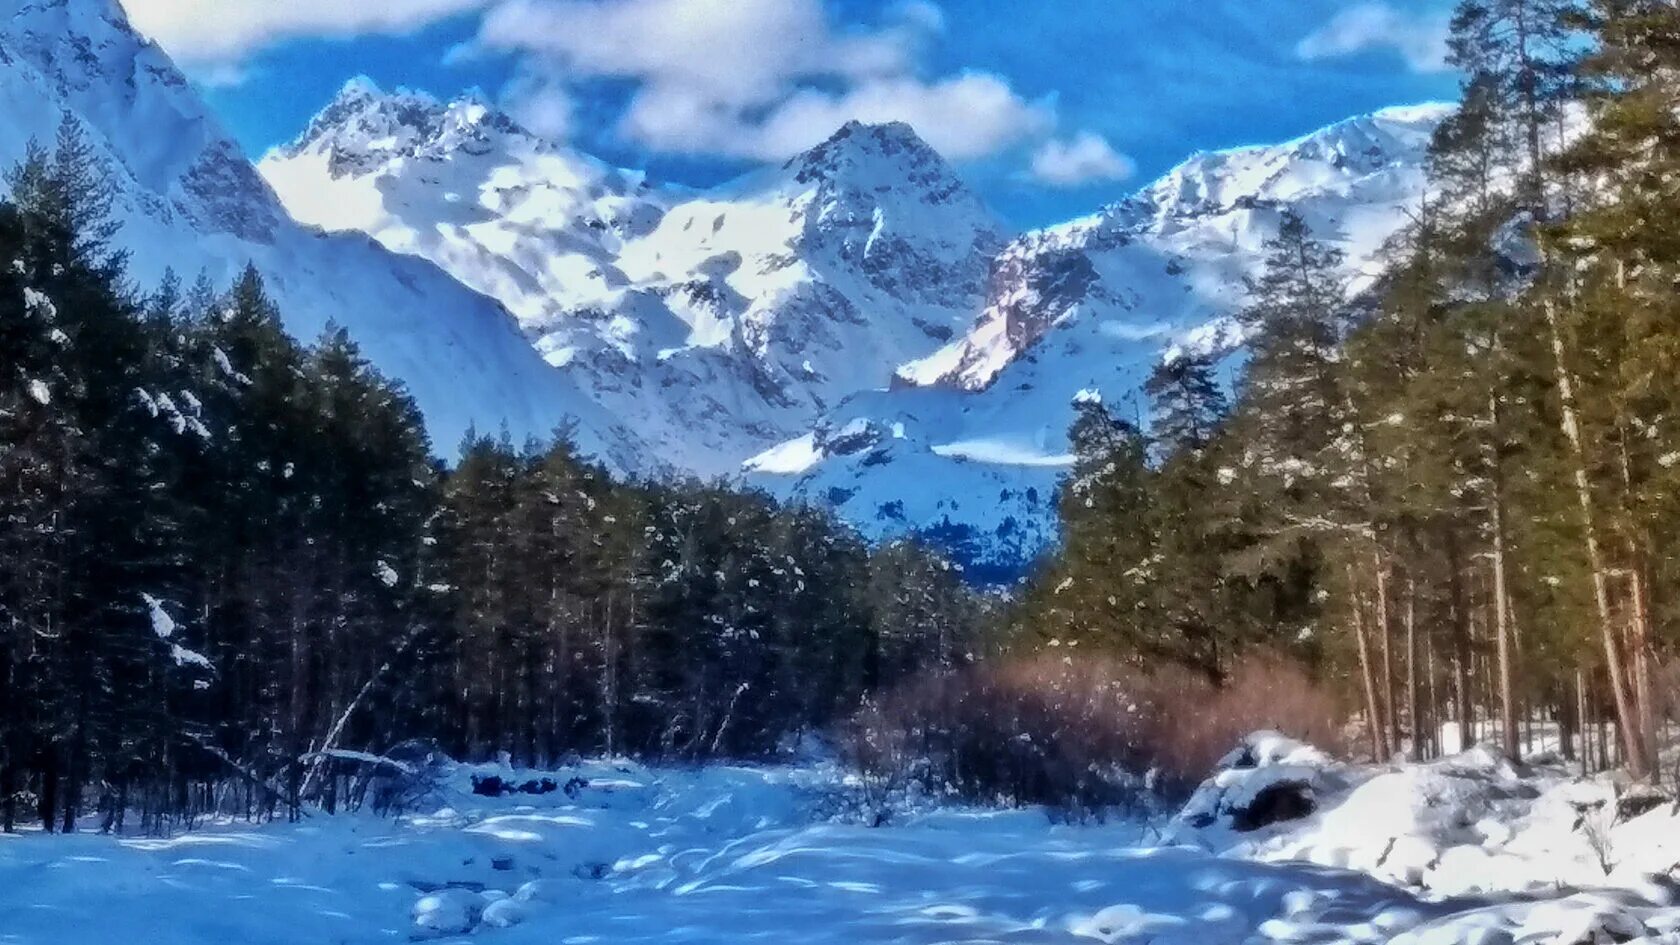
(1049, 107)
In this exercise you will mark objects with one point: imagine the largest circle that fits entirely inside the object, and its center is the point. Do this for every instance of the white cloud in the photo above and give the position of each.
(761, 79)
(219, 75)
(226, 31)
(967, 116)
(1420, 38)
(542, 103)
(1083, 159)
(751, 79)
(734, 52)
(921, 13)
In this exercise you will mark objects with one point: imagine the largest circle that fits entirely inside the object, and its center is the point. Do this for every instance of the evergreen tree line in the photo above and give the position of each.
(232, 576)
(1460, 490)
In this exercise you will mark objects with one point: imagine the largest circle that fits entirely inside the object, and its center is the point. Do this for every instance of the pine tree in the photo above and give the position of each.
(1094, 593)
(94, 477)
(1294, 407)
(1616, 347)
(1518, 58)
(1187, 403)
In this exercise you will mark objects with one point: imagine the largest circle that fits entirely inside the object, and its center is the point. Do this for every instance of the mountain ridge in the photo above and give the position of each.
(852, 327)
(718, 321)
(968, 446)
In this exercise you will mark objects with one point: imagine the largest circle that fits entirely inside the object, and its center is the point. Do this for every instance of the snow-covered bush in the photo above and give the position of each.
(418, 776)
(1086, 737)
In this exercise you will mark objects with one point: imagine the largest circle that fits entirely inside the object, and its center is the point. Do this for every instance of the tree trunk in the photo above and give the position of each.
(1461, 641)
(1569, 720)
(609, 681)
(1414, 715)
(1373, 708)
(1502, 634)
(1385, 636)
(47, 802)
(1639, 636)
(1639, 646)
(1627, 716)
(1434, 697)
(75, 770)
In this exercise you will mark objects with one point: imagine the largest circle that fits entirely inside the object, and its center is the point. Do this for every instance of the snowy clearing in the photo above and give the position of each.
(616, 852)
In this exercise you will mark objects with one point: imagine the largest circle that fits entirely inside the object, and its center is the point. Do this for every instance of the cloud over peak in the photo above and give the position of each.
(219, 33)
(1086, 158)
(756, 79)
(1419, 37)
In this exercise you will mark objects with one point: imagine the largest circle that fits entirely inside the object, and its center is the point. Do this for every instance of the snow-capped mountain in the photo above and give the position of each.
(970, 444)
(852, 328)
(1175, 254)
(720, 322)
(188, 199)
(533, 225)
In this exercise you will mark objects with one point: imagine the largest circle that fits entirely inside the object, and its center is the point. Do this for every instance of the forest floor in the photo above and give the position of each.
(1465, 850)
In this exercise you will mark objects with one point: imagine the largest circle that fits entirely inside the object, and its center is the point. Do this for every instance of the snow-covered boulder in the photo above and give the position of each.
(538, 890)
(448, 911)
(1468, 824)
(1270, 778)
(506, 913)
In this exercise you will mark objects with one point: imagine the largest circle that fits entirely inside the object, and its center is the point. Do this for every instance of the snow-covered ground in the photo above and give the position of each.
(1466, 850)
(1470, 823)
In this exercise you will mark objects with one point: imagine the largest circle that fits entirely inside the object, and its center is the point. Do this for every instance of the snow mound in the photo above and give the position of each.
(1468, 824)
(1579, 919)
(448, 911)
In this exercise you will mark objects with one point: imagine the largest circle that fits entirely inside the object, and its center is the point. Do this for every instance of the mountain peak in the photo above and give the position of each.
(359, 88)
(899, 133)
(363, 127)
(856, 140)
(873, 159)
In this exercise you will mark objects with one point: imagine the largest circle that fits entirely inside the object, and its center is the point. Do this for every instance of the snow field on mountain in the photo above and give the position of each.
(714, 324)
(692, 331)
(1466, 849)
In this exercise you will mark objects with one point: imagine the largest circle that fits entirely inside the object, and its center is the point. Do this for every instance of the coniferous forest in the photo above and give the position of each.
(230, 563)
(229, 557)
(1454, 489)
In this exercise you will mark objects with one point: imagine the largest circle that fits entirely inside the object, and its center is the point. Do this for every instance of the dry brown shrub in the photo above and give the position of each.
(1085, 735)
(1265, 692)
